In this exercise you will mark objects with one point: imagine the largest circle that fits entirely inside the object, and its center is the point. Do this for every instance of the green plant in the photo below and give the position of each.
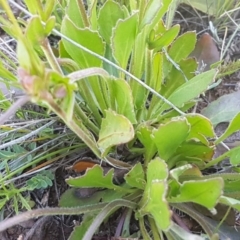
(123, 78)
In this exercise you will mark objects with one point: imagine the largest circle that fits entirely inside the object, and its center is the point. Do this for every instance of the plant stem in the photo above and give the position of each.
(50, 56)
(143, 229)
(22, 217)
(154, 228)
(11, 16)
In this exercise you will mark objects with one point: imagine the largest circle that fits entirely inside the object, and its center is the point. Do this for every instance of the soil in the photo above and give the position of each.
(60, 228)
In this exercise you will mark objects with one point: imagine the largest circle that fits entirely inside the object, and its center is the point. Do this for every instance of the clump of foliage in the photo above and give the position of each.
(124, 84)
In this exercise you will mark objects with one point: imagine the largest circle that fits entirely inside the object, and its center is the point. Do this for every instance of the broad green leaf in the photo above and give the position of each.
(144, 134)
(85, 37)
(182, 46)
(157, 204)
(224, 109)
(195, 149)
(178, 171)
(157, 170)
(115, 130)
(204, 192)
(108, 16)
(234, 156)
(94, 177)
(76, 13)
(201, 128)
(191, 89)
(35, 30)
(172, 81)
(135, 177)
(72, 197)
(168, 137)
(124, 34)
(232, 127)
(230, 202)
(121, 98)
(166, 39)
(154, 198)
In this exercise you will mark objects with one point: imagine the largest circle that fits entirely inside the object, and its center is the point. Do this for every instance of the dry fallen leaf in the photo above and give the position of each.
(206, 52)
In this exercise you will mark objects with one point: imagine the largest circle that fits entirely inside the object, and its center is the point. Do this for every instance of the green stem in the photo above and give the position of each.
(84, 136)
(85, 119)
(83, 13)
(50, 56)
(154, 229)
(11, 16)
(220, 158)
(195, 215)
(143, 229)
(7, 223)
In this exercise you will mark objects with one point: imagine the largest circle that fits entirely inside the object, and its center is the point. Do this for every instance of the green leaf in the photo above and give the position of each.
(104, 213)
(121, 98)
(230, 202)
(88, 39)
(124, 34)
(108, 16)
(94, 177)
(191, 89)
(41, 180)
(35, 31)
(137, 68)
(184, 234)
(72, 197)
(182, 46)
(173, 80)
(204, 192)
(6, 74)
(115, 130)
(201, 128)
(169, 136)
(166, 39)
(224, 109)
(135, 177)
(80, 230)
(210, 7)
(195, 149)
(178, 171)
(76, 13)
(153, 12)
(154, 199)
(234, 155)
(232, 127)
(49, 25)
(144, 134)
